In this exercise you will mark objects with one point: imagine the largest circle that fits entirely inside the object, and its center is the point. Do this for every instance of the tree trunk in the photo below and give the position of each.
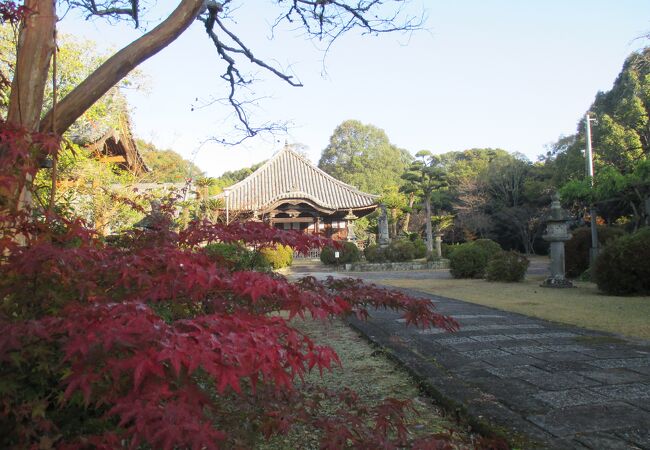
(33, 54)
(427, 204)
(119, 65)
(407, 216)
(35, 48)
(393, 225)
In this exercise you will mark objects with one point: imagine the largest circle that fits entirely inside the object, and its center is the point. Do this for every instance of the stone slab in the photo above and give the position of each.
(484, 354)
(526, 349)
(638, 436)
(567, 347)
(605, 441)
(552, 356)
(517, 372)
(643, 404)
(612, 353)
(559, 381)
(570, 397)
(625, 363)
(591, 418)
(477, 316)
(430, 331)
(538, 336)
(474, 345)
(491, 338)
(641, 370)
(515, 394)
(454, 340)
(455, 362)
(613, 376)
(561, 366)
(492, 327)
(633, 391)
(513, 360)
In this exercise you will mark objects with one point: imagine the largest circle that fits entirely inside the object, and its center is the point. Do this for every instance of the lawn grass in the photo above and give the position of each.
(369, 372)
(583, 305)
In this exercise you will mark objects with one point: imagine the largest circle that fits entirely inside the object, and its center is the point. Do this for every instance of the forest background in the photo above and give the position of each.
(484, 193)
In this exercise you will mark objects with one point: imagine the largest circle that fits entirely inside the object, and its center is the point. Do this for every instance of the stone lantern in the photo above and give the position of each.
(438, 242)
(557, 233)
(349, 219)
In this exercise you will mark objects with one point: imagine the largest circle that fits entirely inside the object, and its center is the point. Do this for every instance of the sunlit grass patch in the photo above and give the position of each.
(583, 305)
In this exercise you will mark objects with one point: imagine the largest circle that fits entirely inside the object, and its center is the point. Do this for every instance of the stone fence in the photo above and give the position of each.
(397, 266)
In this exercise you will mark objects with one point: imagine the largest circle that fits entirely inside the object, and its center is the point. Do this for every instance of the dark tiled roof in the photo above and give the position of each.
(288, 175)
(120, 142)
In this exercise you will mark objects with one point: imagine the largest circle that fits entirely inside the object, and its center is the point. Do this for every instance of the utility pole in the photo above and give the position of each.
(593, 252)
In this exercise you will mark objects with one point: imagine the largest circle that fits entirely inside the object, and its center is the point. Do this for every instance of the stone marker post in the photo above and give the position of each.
(557, 233)
(382, 225)
(438, 244)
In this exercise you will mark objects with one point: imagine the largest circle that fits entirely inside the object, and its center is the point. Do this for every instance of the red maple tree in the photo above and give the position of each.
(149, 341)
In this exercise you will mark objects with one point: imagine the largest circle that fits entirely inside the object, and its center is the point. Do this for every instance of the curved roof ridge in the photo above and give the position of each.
(288, 174)
(327, 175)
(256, 172)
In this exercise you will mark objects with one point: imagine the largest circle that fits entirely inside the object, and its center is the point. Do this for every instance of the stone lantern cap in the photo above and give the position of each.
(350, 216)
(557, 222)
(557, 213)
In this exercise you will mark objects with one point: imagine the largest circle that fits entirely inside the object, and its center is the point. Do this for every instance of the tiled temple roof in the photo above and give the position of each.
(289, 175)
(119, 141)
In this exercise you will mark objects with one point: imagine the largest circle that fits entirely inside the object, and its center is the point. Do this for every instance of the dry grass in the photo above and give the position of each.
(374, 377)
(583, 306)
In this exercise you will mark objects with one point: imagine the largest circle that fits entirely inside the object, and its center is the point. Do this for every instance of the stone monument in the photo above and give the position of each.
(438, 241)
(557, 233)
(382, 225)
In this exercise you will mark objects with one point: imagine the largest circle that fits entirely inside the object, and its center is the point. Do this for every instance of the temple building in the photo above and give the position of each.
(117, 146)
(289, 192)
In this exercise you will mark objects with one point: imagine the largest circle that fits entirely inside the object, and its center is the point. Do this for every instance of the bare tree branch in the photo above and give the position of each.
(324, 20)
(109, 8)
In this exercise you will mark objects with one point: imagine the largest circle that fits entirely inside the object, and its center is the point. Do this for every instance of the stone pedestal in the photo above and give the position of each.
(557, 233)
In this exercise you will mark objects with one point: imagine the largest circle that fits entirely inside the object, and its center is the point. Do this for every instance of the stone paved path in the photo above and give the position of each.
(555, 386)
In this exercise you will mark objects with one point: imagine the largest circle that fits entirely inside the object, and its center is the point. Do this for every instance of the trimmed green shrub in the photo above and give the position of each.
(375, 254)
(470, 259)
(236, 257)
(420, 248)
(488, 246)
(623, 266)
(279, 256)
(400, 251)
(351, 253)
(576, 249)
(327, 256)
(507, 266)
(348, 254)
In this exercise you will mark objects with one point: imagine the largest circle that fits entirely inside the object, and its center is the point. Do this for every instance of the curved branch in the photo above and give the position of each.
(119, 65)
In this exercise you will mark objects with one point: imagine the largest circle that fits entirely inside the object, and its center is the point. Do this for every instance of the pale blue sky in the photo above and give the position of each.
(490, 73)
